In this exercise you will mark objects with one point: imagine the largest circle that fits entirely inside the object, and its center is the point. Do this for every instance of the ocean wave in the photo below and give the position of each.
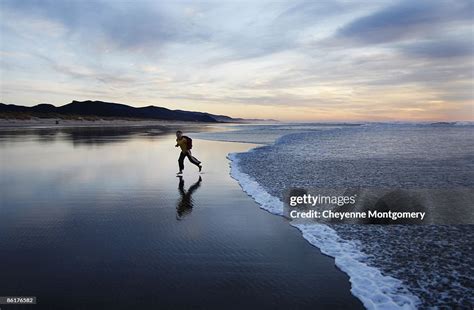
(436, 264)
(375, 290)
(253, 189)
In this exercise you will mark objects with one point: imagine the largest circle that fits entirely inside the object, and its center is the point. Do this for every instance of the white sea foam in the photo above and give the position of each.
(375, 290)
(253, 189)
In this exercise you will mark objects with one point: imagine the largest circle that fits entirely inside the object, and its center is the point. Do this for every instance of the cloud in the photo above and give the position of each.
(406, 20)
(443, 48)
(123, 24)
(276, 27)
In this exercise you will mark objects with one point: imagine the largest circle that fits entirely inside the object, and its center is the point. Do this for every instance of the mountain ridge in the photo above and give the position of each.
(103, 109)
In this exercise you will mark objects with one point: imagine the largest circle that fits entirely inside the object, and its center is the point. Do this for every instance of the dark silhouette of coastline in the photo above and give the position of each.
(99, 109)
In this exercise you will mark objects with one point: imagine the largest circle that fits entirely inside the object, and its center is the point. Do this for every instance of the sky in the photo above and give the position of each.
(285, 60)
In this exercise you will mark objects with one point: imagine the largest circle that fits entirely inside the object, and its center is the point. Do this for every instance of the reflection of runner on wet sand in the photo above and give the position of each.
(185, 204)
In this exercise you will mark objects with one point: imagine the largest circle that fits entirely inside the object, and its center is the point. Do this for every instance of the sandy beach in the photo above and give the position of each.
(104, 222)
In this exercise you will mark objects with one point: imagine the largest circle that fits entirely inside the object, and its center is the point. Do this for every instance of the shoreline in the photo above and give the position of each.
(368, 284)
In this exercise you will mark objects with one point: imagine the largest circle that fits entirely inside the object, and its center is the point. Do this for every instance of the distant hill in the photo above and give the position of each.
(100, 109)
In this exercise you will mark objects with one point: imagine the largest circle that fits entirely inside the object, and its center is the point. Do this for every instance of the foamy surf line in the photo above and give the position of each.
(375, 290)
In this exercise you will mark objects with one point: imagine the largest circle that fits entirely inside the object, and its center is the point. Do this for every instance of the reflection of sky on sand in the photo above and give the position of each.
(51, 184)
(66, 172)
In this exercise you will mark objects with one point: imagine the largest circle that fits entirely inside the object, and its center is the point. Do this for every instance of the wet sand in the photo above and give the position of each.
(58, 122)
(105, 223)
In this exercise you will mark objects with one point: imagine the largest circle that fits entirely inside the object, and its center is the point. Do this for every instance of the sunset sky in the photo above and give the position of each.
(287, 60)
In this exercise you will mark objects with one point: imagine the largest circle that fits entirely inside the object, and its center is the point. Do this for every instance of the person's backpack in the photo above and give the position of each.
(189, 143)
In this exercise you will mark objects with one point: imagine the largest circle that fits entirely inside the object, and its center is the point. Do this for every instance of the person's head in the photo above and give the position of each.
(179, 134)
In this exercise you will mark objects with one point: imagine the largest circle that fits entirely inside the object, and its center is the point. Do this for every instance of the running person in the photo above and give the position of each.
(185, 143)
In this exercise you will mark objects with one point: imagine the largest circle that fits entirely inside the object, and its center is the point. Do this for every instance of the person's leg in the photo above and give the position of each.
(193, 159)
(181, 161)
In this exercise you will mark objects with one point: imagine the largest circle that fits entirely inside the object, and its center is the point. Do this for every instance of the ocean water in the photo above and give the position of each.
(391, 266)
